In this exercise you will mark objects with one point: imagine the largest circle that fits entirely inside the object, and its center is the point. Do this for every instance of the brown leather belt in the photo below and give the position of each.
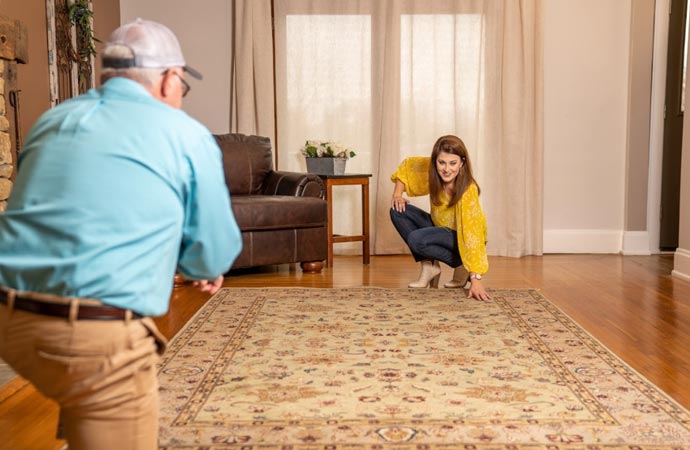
(85, 312)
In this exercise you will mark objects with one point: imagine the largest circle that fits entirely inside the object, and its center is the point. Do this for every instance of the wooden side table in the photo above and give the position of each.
(349, 179)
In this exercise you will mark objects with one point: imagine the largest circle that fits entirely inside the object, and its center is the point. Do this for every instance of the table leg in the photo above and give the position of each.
(365, 222)
(329, 200)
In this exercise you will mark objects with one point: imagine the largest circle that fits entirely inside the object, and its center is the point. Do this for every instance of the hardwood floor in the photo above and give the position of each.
(629, 303)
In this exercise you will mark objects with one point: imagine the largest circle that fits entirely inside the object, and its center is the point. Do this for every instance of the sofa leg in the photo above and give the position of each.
(311, 266)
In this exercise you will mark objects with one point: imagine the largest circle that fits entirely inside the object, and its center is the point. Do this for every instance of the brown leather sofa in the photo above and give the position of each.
(282, 215)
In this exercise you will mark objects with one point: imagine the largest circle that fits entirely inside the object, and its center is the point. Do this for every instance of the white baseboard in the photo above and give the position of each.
(636, 243)
(681, 264)
(583, 241)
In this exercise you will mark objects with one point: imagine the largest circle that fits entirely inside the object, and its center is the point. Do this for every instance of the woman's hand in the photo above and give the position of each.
(398, 203)
(477, 291)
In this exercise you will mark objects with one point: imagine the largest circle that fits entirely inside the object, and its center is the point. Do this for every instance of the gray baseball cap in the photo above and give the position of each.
(153, 45)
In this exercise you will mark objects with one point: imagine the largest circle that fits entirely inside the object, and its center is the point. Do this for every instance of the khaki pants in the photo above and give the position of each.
(102, 373)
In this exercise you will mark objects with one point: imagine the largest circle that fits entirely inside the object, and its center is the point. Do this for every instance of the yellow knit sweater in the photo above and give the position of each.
(466, 217)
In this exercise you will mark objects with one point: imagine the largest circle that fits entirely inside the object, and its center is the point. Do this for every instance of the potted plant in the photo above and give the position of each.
(326, 157)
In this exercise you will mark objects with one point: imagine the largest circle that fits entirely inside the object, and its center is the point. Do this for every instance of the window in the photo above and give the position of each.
(440, 73)
(328, 81)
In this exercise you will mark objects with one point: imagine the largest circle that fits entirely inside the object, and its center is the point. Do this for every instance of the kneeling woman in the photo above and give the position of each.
(455, 231)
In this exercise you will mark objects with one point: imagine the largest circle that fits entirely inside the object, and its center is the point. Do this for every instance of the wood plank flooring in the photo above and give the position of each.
(629, 303)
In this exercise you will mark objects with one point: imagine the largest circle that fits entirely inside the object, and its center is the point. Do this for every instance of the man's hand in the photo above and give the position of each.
(209, 286)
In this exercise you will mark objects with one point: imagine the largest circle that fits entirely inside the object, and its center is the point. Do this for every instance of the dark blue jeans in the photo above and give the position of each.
(426, 241)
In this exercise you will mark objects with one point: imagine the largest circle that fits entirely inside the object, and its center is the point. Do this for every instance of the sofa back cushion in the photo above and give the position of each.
(247, 160)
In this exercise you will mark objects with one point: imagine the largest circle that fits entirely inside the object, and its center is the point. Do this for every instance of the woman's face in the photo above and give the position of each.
(448, 165)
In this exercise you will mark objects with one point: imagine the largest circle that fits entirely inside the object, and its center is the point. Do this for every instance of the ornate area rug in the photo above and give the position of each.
(373, 368)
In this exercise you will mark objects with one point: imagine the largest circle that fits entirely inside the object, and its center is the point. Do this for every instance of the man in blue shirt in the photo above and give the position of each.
(116, 190)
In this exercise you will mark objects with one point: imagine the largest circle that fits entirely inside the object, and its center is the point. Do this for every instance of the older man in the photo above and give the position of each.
(116, 190)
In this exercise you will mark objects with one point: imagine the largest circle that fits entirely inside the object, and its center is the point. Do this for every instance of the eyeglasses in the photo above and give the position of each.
(185, 86)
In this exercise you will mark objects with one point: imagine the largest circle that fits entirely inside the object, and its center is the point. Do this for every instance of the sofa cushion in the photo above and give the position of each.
(246, 161)
(273, 212)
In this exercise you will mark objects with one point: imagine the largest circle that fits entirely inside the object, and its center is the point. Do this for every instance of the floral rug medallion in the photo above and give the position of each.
(373, 368)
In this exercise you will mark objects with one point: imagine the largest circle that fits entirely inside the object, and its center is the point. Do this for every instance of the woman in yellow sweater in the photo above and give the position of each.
(455, 231)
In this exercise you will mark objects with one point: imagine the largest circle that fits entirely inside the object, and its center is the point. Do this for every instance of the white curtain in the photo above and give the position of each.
(251, 83)
(388, 77)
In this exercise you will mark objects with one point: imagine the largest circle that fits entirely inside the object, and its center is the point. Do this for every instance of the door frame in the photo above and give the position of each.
(662, 11)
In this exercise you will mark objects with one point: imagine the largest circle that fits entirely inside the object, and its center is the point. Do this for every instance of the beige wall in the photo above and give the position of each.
(204, 33)
(586, 59)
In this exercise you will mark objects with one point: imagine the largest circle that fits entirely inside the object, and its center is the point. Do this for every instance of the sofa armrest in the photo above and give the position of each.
(294, 183)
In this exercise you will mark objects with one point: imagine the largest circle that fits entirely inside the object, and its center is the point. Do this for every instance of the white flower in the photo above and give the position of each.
(325, 149)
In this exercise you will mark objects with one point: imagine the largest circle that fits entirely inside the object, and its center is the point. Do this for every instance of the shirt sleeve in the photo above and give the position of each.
(413, 172)
(472, 231)
(211, 238)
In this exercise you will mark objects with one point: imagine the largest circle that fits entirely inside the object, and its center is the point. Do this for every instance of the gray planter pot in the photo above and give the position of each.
(326, 166)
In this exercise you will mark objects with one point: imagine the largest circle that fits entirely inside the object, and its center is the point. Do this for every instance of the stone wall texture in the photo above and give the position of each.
(6, 160)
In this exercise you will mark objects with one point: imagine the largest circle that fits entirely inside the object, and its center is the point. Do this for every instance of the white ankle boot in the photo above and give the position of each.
(460, 278)
(429, 276)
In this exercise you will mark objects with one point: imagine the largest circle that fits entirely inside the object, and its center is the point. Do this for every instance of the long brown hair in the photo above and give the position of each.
(453, 145)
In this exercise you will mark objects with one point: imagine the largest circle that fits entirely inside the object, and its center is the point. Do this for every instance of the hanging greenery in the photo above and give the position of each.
(80, 16)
